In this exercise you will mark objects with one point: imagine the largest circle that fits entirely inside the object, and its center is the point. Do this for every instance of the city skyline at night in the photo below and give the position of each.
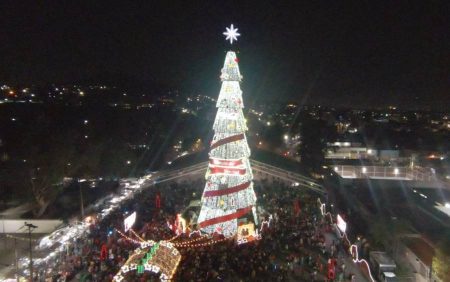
(355, 54)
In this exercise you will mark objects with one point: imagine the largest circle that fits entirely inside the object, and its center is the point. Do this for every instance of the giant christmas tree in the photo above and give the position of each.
(228, 198)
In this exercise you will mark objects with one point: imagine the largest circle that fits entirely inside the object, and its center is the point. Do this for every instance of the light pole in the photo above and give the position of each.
(30, 229)
(4, 233)
(81, 202)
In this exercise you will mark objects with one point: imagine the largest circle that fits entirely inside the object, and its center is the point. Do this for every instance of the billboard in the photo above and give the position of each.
(129, 221)
(341, 224)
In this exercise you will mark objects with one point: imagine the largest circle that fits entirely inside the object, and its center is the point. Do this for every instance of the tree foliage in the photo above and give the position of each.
(47, 168)
(314, 136)
(441, 259)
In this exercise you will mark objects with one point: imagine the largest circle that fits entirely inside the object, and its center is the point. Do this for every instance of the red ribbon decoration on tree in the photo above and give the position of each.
(227, 140)
(237, 214)
(230, 190)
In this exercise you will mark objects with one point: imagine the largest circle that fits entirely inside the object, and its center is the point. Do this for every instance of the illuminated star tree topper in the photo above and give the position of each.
(231, 34)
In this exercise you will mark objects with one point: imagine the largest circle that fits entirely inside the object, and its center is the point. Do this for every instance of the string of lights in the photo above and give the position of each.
(353, 248)
(128, 238)
(173, 238)
(192, 240)
(135, 234)
(354, 253)
(265, 222)
(212, 242)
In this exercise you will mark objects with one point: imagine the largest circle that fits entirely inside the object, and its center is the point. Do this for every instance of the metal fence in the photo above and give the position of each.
(385, 172)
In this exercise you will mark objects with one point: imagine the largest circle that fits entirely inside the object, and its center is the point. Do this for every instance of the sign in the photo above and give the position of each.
(129, 221)
(157, 257)
(341, 224)
(247, 233)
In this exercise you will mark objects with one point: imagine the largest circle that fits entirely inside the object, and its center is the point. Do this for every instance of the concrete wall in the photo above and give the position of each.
(17, 225)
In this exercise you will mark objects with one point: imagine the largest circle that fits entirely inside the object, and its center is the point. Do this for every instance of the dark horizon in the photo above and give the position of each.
(354, 55)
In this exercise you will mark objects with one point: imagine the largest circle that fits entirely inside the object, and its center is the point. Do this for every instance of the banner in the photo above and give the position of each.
(129, 221)
(221, 162)
(233, 171)
(341, 224)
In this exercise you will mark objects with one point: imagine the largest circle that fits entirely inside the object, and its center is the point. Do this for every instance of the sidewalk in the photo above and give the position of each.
(345, 258)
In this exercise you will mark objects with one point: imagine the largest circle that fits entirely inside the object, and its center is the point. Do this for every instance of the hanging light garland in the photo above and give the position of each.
(157, 257)
(173, 238)
(205, 244)
(182, 243)
(128, 238)
(135, 234)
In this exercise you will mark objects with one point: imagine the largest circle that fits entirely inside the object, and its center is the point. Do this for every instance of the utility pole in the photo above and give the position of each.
(16, 259)
(30, 229)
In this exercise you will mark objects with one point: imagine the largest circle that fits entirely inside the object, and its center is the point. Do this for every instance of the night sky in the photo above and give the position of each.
(361, 53)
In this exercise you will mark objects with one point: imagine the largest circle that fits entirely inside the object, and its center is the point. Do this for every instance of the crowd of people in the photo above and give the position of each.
(292, 247)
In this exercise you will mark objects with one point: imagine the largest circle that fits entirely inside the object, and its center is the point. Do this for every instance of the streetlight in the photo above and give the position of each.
(30, 227)
(81, 200)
